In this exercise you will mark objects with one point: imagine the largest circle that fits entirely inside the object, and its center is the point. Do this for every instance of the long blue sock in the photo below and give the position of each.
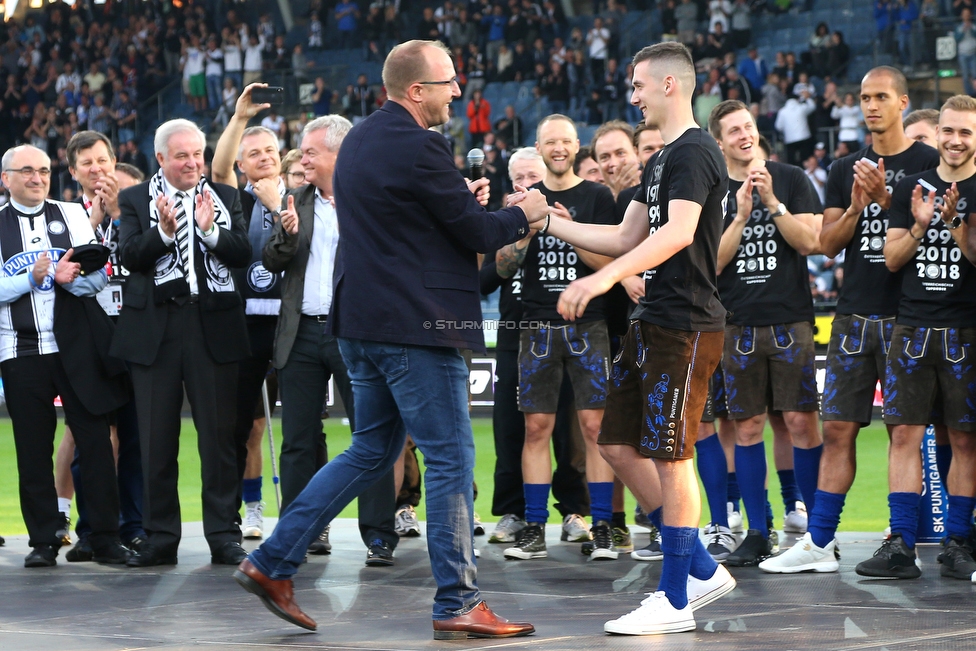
(714, 473)
(251, 490)
(788, 489)
(826, 517)
(601, 500)
(733, 488)
(769, 510)
(904, 516)
(703, 566)
(943, 459)
(806, 464)
(655, 517)
(960, 515)
(750, 465)
(678, 545)
(536, 502)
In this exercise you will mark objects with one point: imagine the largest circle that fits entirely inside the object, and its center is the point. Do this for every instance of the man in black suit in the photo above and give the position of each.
(53, 341)
(405, 288)
(182, 326)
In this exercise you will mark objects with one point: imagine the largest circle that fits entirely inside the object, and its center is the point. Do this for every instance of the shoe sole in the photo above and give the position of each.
(912, 572)
(501, 539)
(71, 558)
(254, 588)
(379, 562)
(524, 556)
(823, 567)
(34, 565)
(465, 635)
(637, 557)
(714, 595)
(409, 533)
(673, 627)
(578, 539)
(604, 555)
(956, 574)
(794, 530)
(110, 560)
(165, 561)
(252, 534)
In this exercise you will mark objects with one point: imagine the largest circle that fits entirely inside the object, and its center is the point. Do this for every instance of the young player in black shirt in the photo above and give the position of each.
(659, 382)
(929, 362)
(858, 196)
(551, 346)
(771, 224)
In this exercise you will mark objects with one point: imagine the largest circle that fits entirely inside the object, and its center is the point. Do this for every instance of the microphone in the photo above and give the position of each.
(476, 163)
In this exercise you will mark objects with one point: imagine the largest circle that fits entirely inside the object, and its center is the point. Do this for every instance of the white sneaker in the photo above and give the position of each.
(406, 523)
(574, 529)
(719, 542)
(253, 520)
(654, 616)
(507, 529)
(479, 528)
(653, 550)
(735, 519)
(803, 556)
(796, 520)
(701, 593)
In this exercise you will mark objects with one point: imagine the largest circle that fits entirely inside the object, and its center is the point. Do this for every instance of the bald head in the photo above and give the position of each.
(407, 64)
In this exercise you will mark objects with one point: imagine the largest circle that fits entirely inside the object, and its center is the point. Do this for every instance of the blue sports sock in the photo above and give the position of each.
(733, 489)
(678, 545)
(904, 516)
(251, 490)
(655, 517)
(960, 515)
(714, 473)
(806, 464)
(536, 502)
(943, 459)
(788, 489)
(750, 460)
(703, 566)
(825, 518)
(769, 510)
(601, 500)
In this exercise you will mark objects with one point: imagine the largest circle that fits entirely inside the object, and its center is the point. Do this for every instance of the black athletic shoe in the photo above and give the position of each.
(380, 554)
(82, 552)
(753, 550)
(893, 560)
(957, 559)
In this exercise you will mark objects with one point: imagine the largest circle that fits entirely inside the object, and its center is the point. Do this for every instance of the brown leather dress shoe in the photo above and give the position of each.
(276, 595)
(479, 622)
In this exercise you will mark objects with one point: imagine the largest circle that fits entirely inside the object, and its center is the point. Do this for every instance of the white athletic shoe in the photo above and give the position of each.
(253, 520)
(654, 616)
(507, 529)
(803, 556)
(796, 520)
(735, 519)
(701, 593)
(574, 529)
(406, 523)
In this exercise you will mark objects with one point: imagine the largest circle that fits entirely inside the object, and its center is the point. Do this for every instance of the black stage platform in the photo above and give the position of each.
(81, 607)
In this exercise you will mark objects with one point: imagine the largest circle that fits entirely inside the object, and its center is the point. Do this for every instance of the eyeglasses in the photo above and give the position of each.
(449, 82)
(297, 175)
(29, 172)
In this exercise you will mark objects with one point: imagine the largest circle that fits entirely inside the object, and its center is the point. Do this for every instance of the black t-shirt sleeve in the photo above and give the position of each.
(803, 198)
(900, 212)
(691, 178)
(834, 194)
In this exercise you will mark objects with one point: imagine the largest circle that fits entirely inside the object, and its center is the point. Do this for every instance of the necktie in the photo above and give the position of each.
(182, 234)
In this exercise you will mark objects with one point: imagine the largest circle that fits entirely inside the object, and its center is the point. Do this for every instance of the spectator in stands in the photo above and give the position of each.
(705, 102)
(124, 113)
(735, 87)
(192, 63)
(496, 24)
(906, 14)
(884, 23)
(576, 73)
(850, 120)
(509, 128)
(321, 97)
(613, 91)
(253, 59)
(965, 35)
(276, 123)
(362, 101)
(314, 31)
(214, 72)
(479, 118)
(820, 153)
(131, 155)
(754, 70)
(791, 122)
(373, 49)
(741, 23)
(598, 43)
(463, 31)
(819, 42)
(98, 116)
(959, 5)
(522, 62)
(718, 14)
(347, 17)
(803, 85)
(816, 174)
(718, 42)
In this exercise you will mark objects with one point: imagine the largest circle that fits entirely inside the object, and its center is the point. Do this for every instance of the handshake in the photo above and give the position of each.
(533, 204)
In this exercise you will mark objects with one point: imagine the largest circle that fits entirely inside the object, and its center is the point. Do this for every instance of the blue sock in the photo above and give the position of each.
(536, 502)
(943, 459)
(601, 500)
(251, 490)
(678, 545)
(960, 515)
(703, 566)
(769, 510)
(904, 516)
(733, 489)
(714, 473)
(825, 518)
(655, 517)
(806, 464)
(788, 489)
(750, 460)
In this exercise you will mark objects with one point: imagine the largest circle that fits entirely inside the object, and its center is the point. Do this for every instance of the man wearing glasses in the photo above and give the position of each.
(50, 322)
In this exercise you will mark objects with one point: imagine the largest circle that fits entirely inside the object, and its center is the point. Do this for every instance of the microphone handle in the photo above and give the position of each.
(477, 172)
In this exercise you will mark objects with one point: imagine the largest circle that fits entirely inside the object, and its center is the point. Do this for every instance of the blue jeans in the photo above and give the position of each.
(215, 87)
(397, 388)
(967, 66)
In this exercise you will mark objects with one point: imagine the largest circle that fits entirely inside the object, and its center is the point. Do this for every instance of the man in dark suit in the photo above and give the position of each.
(406, 298)
(182, 326)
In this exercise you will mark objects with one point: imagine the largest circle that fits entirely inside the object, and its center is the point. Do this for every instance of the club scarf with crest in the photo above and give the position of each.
(169, 277)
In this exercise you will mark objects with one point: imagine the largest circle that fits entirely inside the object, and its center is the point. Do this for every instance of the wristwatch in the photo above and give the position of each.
(780, 211)
(276, 214)
(954, 223)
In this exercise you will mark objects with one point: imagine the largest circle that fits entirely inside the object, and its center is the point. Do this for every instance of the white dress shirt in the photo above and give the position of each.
(317, 297)
(189, 200)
